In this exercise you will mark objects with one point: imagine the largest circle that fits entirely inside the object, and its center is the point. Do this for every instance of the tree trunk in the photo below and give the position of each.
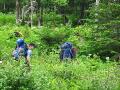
(17, 11)
(31, 14)
(41, 16)
(38, 18)
(4, 7)
(82, 13)
(97, 2)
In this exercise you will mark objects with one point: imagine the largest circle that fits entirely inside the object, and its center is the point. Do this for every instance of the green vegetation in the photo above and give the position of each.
(47, 72)
(93, 26)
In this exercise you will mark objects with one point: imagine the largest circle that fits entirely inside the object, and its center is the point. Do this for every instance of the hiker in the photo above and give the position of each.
(22, 49)
(67, 51)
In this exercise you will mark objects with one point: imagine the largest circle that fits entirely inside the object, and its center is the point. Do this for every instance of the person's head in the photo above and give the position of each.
(31, 46)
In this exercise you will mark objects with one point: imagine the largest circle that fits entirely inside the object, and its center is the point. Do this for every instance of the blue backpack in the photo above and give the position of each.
(21, 49)
(66, 51)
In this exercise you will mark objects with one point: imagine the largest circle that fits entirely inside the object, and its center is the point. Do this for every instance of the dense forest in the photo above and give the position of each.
(93, 28)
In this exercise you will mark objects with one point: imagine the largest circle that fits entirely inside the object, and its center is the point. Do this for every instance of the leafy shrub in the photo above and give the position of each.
(15, 79)
(105, 35)
(7, 19)
(52, 38)
(84, 73)
(52, 19)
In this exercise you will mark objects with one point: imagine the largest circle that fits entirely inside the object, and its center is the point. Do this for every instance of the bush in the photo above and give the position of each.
(52, 38)
(85, 73)
(105, 35)
(52, 19)
(7, 19)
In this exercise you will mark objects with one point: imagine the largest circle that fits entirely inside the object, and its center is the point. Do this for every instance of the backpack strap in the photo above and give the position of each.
(25, 49)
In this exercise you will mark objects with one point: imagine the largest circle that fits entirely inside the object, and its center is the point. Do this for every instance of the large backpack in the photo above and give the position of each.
(66, 50)
(21, 49)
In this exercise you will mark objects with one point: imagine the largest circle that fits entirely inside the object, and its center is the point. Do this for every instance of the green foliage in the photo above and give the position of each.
(86, 72)
(52, 19)
(60, 2)
(48, 73)
(7, 19)
(49, 39)
(105, 36)
(15, 79)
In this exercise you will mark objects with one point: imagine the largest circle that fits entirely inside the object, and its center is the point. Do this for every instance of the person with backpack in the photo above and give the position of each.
(22, 49)
(67, 51)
